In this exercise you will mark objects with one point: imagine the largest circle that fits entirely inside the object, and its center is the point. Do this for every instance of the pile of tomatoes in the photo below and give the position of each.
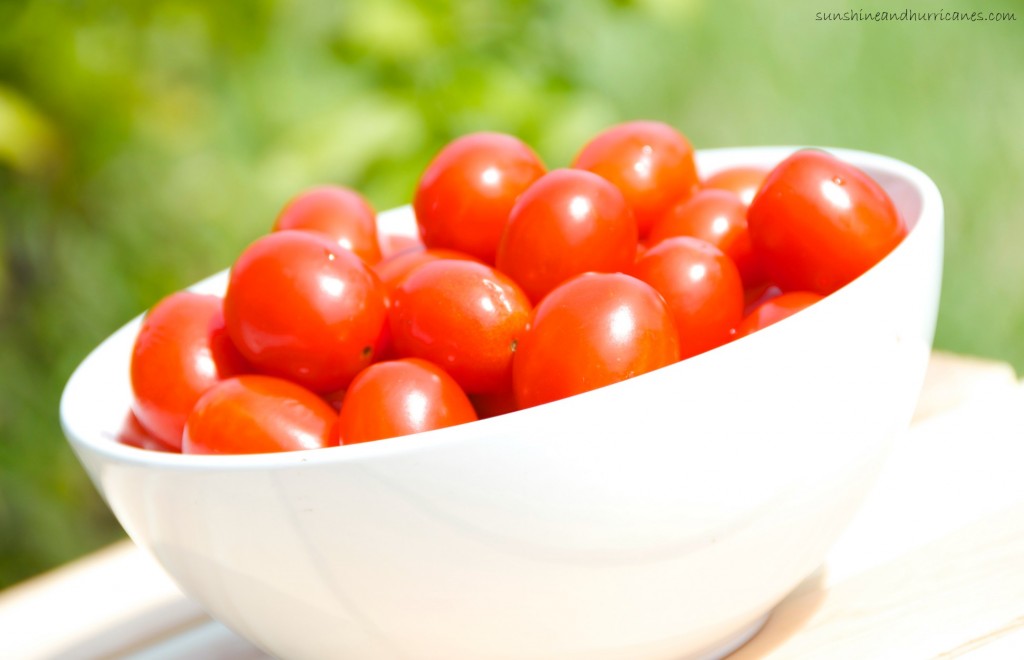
(527, 286)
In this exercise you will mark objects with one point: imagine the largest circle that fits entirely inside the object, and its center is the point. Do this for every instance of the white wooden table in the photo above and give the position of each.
(932, 567)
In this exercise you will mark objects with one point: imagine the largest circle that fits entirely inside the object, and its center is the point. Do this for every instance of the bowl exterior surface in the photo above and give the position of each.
(653, 519)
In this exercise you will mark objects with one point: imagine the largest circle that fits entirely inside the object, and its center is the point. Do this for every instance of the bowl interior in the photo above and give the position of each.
(98, 395)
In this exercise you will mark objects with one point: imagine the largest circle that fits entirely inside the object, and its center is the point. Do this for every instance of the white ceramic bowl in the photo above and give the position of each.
(659, 518)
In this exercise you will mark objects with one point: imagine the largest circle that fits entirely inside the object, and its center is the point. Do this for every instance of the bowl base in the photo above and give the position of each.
(725, 647)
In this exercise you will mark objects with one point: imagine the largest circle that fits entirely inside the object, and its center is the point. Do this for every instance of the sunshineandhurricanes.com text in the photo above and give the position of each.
(911, 16)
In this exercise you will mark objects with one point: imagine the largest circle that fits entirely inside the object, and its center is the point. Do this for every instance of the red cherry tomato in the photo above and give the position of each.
(818, 223)
(181, 351)
(464, 197)
(650, 162)
(133, 434)
(257, 414)
(720, 218)
(401, 397)
(393, 269)
(340, 213)
(300, 307)
(701, 287)
(463, 316)
(568, 222)
(594, 330)
(774, 310)
(741, 180)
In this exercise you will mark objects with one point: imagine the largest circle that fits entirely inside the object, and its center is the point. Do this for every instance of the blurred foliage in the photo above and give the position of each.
(144, 143)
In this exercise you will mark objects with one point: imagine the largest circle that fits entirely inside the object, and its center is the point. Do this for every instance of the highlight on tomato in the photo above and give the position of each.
(300, 307)
(594, 330)
(744, 181)
(341, 214)
(567, 223)
(255, 414)
(720, 218)
(818, 223)
(651, 162)
(464, 196)
(701, 287)
(463, 316)
(181, 351)
(401, 397)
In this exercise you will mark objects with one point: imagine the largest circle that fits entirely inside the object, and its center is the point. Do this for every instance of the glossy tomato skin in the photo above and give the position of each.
(133, 434)
(300, 307)
(255, 414)
(594, 330)
(743, 181)
(463, 316)
(650, 162)
(774, 310)
(568, 222)
(464, 196)
(181, 351)
(392, 270)
(701, 287)
(818, 223)
(401, 397)
(339, 213)
(720, 218)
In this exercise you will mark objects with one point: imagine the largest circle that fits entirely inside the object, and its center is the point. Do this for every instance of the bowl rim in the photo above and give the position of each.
(83, 436)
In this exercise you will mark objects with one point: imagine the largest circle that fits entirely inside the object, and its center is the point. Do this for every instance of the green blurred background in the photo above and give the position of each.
(144, 143)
